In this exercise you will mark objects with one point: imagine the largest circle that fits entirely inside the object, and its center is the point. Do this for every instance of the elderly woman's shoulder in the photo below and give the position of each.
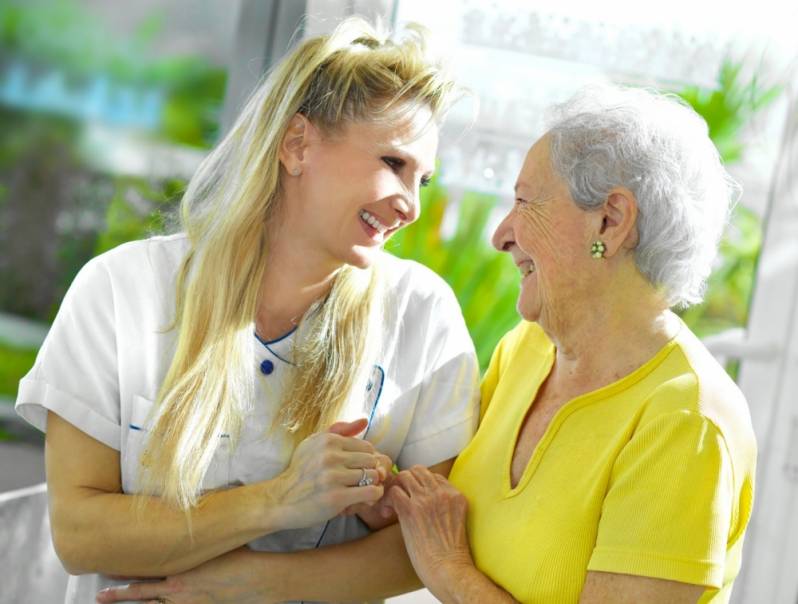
(694, 383)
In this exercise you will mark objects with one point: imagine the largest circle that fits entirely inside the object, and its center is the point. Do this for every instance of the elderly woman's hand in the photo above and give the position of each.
(432, 515)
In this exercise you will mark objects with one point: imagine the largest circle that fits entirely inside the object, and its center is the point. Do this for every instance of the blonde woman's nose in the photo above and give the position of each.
(406, 208)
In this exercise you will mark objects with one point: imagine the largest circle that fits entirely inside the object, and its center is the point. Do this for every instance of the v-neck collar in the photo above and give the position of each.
(281, 347)
(565, 411)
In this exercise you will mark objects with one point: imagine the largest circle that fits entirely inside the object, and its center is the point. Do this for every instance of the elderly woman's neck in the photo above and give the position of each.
(614, 335)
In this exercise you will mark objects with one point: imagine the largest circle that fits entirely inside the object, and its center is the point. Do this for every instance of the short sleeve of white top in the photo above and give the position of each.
(108, 351)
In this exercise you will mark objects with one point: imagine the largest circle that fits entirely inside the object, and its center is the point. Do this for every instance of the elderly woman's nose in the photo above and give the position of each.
(503, 236)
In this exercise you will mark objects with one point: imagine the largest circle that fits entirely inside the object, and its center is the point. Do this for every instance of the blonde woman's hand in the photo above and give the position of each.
(379, 514)
(227, 579)
(432, 516)
(321, 480)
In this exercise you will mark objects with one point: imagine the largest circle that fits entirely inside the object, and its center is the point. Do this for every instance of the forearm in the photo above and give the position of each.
(370, 568)
(469, 584)
(113, 533)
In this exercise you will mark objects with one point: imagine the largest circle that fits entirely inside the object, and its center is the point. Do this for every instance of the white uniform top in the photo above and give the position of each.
(107, 353)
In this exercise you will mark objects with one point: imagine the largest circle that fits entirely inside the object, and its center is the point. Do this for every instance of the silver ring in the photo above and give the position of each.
(365, 480)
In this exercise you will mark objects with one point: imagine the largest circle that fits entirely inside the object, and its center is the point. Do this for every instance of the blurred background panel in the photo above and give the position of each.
(107, 108)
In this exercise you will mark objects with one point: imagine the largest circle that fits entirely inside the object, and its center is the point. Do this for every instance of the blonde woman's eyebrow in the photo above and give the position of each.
(408, 158)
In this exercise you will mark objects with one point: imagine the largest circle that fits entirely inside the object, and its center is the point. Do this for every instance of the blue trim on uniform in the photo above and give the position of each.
(266, 344)
(324, 532)
(140, 429)
(376, 401)
(368, 427)
(282, 337)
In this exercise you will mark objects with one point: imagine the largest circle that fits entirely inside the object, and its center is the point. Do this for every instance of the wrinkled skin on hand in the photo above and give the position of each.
(432, 516)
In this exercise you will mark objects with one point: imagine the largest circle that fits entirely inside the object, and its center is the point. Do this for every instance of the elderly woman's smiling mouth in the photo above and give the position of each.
(526, 266)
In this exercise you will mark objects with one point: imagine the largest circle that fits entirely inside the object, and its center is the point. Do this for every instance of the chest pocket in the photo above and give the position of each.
(135, 436)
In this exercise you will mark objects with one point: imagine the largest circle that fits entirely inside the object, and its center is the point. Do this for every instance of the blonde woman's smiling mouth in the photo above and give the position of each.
(375, 228)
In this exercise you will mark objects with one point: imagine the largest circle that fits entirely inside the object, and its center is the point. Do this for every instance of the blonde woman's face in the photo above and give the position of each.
(361, 185)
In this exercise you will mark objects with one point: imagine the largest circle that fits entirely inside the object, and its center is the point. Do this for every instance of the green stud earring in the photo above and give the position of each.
(597, 249)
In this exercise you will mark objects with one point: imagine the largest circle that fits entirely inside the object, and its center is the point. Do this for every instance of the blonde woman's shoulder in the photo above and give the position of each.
(405, 277)
(161, 252)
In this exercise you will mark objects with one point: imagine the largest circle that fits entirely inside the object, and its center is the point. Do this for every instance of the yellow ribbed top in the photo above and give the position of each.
(651, 475)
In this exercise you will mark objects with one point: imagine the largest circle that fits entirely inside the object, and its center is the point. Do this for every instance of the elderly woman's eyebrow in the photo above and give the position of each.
(521, 185)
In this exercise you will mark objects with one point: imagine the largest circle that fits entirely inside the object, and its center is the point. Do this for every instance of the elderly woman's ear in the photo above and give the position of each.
(618, 222)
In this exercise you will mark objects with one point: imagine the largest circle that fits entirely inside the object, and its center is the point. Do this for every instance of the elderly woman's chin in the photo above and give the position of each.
(528, 304)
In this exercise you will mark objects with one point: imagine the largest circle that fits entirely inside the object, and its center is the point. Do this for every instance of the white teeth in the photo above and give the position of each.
(527, 269)
(371, 220)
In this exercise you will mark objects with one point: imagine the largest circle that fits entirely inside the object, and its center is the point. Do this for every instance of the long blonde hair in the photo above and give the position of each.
(355, 73)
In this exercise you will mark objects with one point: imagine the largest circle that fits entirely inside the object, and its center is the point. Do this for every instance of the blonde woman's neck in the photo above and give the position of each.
(296, 275)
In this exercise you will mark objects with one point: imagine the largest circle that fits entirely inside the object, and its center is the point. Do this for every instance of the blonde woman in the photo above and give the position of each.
(249, 379)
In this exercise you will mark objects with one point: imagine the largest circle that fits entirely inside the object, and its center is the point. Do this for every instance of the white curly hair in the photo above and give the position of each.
(657, 147)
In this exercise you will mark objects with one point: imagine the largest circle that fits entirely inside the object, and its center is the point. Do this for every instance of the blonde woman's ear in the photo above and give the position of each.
(295, 140)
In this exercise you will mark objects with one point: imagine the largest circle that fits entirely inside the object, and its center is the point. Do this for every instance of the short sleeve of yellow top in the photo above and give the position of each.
(651, 475)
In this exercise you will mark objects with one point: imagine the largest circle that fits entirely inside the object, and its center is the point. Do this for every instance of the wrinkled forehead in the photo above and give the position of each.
(537, 172)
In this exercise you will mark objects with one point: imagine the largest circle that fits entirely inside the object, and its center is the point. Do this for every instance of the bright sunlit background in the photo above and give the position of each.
(106, 109)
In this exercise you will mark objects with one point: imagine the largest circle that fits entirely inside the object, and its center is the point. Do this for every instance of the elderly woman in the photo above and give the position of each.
(614, 460)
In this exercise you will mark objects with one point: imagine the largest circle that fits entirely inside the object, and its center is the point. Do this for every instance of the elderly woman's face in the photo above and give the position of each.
(548, 237)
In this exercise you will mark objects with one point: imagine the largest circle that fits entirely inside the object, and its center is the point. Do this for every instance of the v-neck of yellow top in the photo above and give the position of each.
(566, 410)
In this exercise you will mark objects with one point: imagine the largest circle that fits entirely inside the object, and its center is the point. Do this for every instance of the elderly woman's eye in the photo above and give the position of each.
(519, 201)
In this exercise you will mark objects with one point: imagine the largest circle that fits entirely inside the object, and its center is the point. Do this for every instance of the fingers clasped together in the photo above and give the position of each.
(432, 516)
(329, 472)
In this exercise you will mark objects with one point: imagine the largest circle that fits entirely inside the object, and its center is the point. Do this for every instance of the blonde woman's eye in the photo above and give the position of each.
(425, 180)
(395, 163)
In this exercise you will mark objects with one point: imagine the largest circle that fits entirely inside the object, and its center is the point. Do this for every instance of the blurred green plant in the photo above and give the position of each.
(15, 362)
(64, 35)
(48, 187)
(150, 216)
(728, 109)
(57, 209)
